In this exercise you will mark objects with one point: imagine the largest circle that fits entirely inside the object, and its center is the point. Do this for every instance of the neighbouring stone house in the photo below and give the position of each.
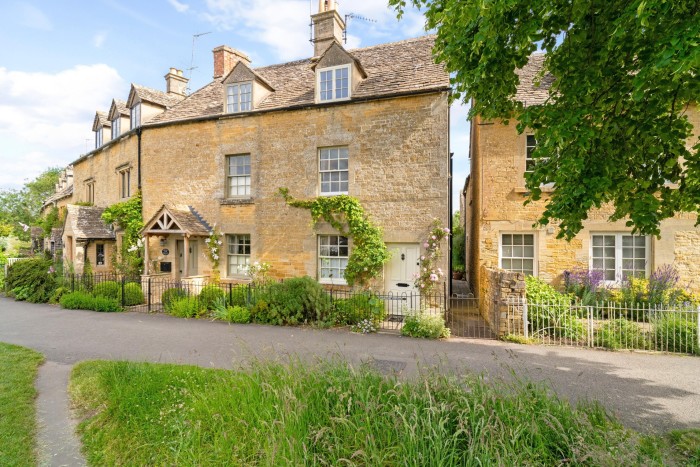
(500, 231)
(370, 122)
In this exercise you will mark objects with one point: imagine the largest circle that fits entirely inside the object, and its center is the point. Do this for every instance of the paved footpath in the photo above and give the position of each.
(648, 392)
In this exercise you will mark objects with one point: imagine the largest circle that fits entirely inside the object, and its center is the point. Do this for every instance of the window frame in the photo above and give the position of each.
(319, 92)
(236, 105)
(321, 171)
(320, 258)
(237, 236)
(116, 127)
(90, 192)
(98, 137)
(230, 176)
(97, 255)
(529, 159)
(535, 251)
(135, 115)
(125, 174)
(619, 255)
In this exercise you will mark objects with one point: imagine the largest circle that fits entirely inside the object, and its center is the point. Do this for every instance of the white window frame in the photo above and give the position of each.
(529, 161)
(116, 127)
(90, 192)
(320, 96)
(326, 169)
(231, 177)
(234, 97)
(238, 241)
(98, 137)
(135, 115)
(619, 255)
(535, 253)
(325, 260)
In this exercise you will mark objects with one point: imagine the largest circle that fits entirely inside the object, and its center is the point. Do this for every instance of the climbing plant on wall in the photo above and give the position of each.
(128, 216)
(345, 214)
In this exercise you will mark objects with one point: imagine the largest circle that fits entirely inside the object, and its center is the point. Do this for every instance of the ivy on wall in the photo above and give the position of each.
(345, 214)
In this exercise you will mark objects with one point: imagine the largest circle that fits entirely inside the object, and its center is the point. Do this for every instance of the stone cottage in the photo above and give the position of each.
(372, 123)
(500, 231)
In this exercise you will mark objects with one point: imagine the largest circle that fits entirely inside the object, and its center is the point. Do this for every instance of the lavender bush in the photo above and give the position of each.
(588, 285)
(662, 284)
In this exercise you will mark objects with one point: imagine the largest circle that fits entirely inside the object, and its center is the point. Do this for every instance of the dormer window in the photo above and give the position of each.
(334, 83)
(239, 97)
(135, 115)
(116, 127)
(98, 138)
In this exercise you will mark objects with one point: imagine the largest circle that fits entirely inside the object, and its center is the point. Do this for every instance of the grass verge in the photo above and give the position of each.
(18, 369)
(330, 414)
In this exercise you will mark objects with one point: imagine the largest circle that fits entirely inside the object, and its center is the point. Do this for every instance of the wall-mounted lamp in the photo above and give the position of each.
(162, 241)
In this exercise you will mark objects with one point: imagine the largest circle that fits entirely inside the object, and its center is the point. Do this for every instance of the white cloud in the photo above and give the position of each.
(46, 118)
(30, 16)
(180, 7)
(283, 25)
(99, 38)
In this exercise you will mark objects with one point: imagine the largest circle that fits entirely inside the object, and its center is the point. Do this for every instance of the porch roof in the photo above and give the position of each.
(85, 223)
(177, 219)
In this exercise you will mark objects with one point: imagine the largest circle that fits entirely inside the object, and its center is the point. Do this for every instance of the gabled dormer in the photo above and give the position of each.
(244, 89)
(145, 103)
(119, 117)
(102, 128)
(338, 73)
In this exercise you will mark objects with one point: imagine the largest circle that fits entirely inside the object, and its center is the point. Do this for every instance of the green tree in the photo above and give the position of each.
(615, 125)
(23, 207)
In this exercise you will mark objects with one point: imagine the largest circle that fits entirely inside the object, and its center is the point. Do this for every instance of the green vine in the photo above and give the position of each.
(128, 216)
(345, 214)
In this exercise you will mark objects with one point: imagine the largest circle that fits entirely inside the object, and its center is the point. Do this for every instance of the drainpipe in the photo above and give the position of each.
(138, 134)
(449, 226)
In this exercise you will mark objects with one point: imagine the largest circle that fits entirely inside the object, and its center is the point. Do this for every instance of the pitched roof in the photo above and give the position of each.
(87, 224)
(118, 106)
(66, 192)
(101, 120)
(154, 96)
(528, 92)
(188, 220)
(395, 68)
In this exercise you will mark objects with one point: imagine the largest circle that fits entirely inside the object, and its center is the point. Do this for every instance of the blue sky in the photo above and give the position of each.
(60, 61)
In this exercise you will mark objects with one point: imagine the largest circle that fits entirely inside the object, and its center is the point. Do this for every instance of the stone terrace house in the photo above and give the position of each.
(500, 231)
(371, 122)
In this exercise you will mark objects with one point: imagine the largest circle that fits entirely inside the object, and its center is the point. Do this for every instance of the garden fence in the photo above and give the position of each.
(610, 325)
(461, 314)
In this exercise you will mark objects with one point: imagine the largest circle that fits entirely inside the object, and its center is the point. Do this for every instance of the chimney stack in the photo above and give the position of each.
(225, 58)
(175, 83)
(328, 26)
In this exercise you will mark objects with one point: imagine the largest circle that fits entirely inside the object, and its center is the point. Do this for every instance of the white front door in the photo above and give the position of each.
(400, 271)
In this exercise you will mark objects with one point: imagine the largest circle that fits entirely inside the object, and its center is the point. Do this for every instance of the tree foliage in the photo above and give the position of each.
(615, 126)
(23, 207)
(128, 216)
(345, 214)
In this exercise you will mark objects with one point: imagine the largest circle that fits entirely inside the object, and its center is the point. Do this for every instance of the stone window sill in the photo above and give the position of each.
(236, 201)
(523, 191)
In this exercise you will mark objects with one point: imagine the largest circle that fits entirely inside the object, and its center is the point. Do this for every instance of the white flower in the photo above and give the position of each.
(219, 242)
(216, 256)
(139, 243)
(132, 248)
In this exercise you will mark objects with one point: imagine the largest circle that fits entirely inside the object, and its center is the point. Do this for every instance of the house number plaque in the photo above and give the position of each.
(165, 251)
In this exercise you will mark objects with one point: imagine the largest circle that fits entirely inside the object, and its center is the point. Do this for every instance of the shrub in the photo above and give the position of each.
(621, 334)
(170, 295)
(233, 314)
(209, 295)
(676, 332)
(364, 306)
(21, 293)
(550, 312)
(109, 289)
(58, 293)
(186, 307)
(587, 285)
(133, 295)
(422, 324)
(36, 276)
(239, 295)
(294, 301)
(80, 300)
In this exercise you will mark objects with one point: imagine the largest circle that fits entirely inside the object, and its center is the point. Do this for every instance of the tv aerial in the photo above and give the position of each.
(354, 16)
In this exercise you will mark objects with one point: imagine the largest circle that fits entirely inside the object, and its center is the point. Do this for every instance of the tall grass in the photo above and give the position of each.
(18, 369)
(331, 414)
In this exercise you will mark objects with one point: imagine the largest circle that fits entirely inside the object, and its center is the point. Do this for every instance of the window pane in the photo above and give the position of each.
(333, 164)
(238, 249)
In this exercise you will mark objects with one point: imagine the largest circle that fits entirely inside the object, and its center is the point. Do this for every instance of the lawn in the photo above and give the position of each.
(330, 414)
(18, 369)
